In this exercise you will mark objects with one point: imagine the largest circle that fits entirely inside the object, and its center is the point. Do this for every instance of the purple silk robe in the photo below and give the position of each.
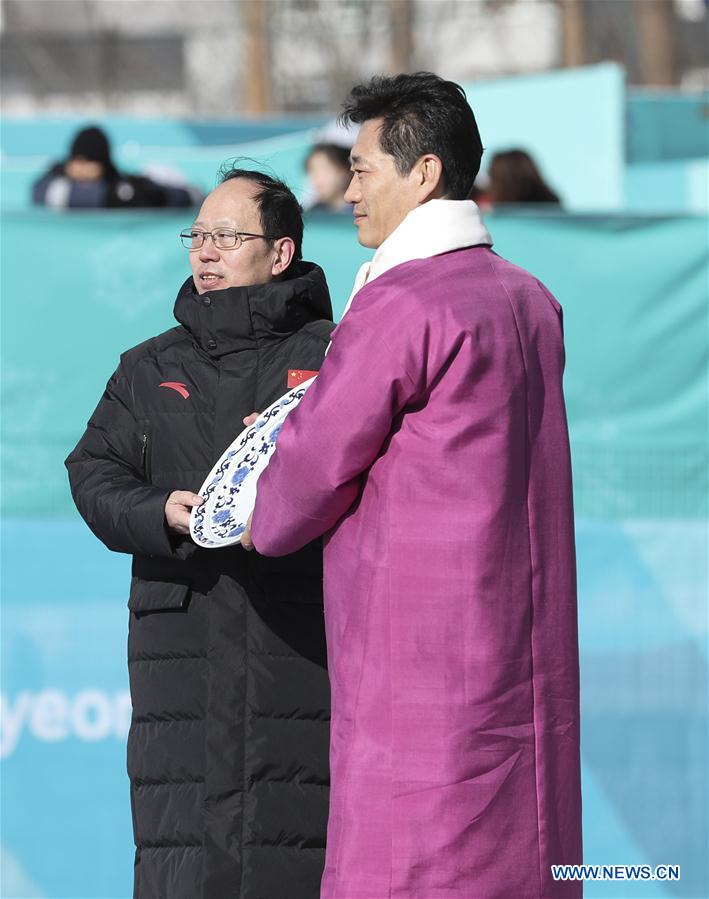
(432, 451)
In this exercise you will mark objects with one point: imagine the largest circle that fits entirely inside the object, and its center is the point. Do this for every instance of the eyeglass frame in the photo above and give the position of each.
(238, 238)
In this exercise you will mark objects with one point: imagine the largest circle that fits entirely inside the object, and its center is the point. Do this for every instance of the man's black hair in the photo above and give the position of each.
(281, 214)
(421, 113)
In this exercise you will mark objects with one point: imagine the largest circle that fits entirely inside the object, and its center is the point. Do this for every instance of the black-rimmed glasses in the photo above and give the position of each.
(222, 238)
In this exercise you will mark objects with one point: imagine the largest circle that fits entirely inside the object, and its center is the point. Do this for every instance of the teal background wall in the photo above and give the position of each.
(78, 288)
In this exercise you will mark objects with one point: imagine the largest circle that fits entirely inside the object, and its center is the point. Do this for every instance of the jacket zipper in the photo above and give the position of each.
(144, 456)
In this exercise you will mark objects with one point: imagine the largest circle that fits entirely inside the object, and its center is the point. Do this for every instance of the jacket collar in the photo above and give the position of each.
(236, 318)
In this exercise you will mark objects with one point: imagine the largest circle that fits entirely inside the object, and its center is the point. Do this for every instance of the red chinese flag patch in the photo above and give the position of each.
(296, 376)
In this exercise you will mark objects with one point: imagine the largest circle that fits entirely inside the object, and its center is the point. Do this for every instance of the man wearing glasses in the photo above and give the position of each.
(227, 752)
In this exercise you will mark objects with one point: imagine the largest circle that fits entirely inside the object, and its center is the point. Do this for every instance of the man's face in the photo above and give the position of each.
(231, 205)
(380, 195)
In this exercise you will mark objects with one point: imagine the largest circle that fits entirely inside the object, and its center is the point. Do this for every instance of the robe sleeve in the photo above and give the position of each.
(331, 438)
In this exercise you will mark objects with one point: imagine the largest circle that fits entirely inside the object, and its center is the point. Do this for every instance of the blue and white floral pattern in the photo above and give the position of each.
(229, 491)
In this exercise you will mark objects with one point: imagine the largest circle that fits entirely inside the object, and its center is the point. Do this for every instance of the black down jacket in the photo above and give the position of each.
(228, 747)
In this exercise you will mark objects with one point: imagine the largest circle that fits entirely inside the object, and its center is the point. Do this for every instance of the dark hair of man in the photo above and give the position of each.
(281, 214)
(421, 113)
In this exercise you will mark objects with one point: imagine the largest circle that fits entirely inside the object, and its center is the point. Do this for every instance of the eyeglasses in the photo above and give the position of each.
(222, 238)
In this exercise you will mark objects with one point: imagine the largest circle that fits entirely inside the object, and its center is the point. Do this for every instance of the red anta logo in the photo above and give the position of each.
(178, 386)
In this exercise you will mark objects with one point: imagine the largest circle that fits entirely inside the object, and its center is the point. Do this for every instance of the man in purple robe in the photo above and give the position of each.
(432, 453)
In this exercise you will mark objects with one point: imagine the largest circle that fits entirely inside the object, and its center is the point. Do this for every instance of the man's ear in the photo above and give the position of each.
(429, 178)
(283, 252)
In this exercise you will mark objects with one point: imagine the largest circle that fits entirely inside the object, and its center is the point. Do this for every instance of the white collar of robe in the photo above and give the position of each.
(435, 227)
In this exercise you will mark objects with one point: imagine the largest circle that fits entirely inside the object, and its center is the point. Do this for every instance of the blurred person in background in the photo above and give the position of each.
(89, 179)
(514, 177)
(328, 168)
(432, 454)
(227, 752)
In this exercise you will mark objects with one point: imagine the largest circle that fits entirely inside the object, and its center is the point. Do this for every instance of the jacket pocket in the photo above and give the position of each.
(157, 596)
